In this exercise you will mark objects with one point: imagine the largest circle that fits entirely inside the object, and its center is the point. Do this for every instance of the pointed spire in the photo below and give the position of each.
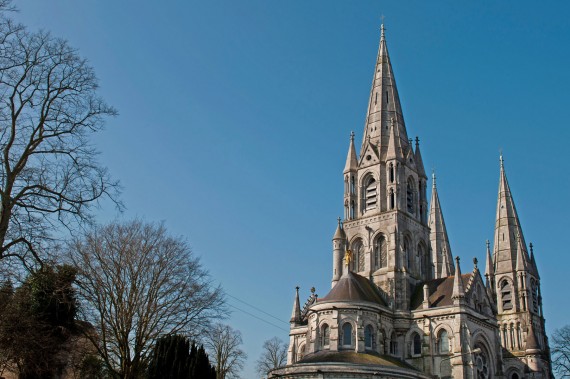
(508, 233)
(458, 290)
(296, 314)
(384, 101)
(521, 259)
(489, 269)
(394, 150)
(351, 160)
(533, 261)
(339, 233)
(419, 160)
(438, 236)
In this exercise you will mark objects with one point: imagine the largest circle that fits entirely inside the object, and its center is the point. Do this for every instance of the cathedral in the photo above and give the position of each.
(401, 306)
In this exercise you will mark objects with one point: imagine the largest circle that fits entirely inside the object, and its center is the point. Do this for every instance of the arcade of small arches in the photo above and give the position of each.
(369, 195)
(417, 261)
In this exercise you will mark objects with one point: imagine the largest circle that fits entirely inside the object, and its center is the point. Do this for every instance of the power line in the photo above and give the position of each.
(257, 309)
(259, 318)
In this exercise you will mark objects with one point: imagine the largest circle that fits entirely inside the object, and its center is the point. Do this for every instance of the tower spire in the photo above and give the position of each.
(438, 236)
(508, 233)
(384, 102)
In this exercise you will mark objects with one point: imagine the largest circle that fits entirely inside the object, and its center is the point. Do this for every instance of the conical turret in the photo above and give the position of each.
(419, 160)
(351, 159)
(458, 295)
(438, 236)
(296, 314)
(489, 270)
(384, 102)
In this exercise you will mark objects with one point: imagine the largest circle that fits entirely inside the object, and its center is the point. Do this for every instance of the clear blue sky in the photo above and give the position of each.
(235, 117)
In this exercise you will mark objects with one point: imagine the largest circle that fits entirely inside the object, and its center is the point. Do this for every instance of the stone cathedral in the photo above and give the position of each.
(400, 306)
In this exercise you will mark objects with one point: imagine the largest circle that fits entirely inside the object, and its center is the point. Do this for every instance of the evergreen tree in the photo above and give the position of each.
(175, 358)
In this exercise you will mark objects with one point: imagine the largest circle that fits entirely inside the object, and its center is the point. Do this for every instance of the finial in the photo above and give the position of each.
(297, 288)
(382, 27)
(475, 261)
(410, 140)
(433, 176)
(417, 141)
(501, 157)
(313, 290)
(531, 248)
(338, 219)
(352, 135)
(488, 244)
(457, 259)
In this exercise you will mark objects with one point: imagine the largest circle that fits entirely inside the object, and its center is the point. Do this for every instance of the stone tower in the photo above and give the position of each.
(385, 217)
(513, 281)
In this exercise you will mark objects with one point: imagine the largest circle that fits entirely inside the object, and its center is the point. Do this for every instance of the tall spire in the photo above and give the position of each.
(351, 160)
(438, 236)
(296, 314)
(384, 102)
(458, 290)
(508, 233)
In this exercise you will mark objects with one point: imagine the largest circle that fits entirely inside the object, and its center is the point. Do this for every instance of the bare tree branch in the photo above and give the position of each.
(137, 283)
(273, 355)
(49, 108)
(561, 351)
(224, 346)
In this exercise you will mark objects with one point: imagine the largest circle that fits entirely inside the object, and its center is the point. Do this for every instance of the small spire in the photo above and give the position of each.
(489, 267)
(419, 160)
(351, 160)
(458, 291)
(296, 314)
(394, 149)
(444, 266)
(531, 342)
(339, 233)
(475, 261)
(442, 258)
(521, 261)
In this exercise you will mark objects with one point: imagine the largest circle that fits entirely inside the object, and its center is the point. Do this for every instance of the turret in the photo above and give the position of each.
(458, 295)
(296, 313)
(350, 177)
(339, 242)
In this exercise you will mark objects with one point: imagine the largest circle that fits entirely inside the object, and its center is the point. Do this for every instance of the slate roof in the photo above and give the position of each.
(440, 291)
(353, 287)
(355, 358)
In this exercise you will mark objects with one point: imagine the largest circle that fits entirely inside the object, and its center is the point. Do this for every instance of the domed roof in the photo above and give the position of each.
(353, 287)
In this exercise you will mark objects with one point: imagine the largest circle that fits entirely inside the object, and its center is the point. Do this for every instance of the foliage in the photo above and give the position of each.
(561, 352)
(49, 109)
(273, 355)
(224, 345)
(137, 284)
(173, 358)
(38, 321)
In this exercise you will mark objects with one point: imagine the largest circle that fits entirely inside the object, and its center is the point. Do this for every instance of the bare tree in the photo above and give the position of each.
(224, 345)
(49, 108)
(274, 355)
(137, 283)
(561, 351)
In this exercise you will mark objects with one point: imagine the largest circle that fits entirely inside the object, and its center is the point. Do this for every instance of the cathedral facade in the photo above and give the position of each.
(400, 306)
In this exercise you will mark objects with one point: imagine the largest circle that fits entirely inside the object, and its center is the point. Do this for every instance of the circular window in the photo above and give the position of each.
(368, 157)
(482, 364)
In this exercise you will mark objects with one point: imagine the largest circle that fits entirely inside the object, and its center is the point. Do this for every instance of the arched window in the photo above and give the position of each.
(352, 186)
(357, 256)
(346, 187)
(325, 335)
(422, 261)
(347, 334)
(534, 294)
(391, 173)
(301, 352)
(370, 194)
(482, 363)
(515, 376)
(380, 252)
(392, 200)
(410, 197)
(408, 256)
(506, 295)
(443, 342)
(416, 344)
(352, 209)
(368, 337)
(393, 344)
